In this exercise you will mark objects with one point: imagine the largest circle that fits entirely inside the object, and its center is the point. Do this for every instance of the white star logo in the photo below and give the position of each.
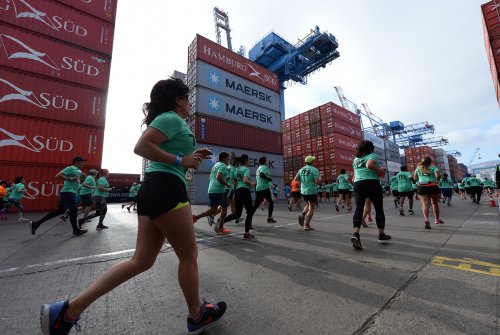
(214, 104)
(214, 78)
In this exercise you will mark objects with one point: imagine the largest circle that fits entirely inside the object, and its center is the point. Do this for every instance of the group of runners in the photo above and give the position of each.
(164, 211)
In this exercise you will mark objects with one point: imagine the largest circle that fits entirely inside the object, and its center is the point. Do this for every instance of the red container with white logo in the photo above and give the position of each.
(339, 156)
(42, 188)
(334, 126)
(54, 19)
(29, 140)
(331, 110)
(340, 141)
(223, 133)
(219, 56)
(30, 52)
(25, 94)
(103, 9)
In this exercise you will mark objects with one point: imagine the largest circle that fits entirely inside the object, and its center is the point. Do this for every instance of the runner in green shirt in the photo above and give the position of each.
(101, 207)
(446, 186)
(15, 194)
(476, 189)
(71, 176)
(328, 190)
(308, 176)
(217, 194)
(132, 201)
(344, 192)
(263, 189)
(488, 186)
(393, 183)
(87, 190)
(427, 177)
(405, 189)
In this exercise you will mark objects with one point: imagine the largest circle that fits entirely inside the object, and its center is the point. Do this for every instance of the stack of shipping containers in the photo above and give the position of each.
(236, 105)
(393, 158)
(491, 28)
(54, 74)
(442, 161)
(414, 155)
(456, 172)
(328, 132)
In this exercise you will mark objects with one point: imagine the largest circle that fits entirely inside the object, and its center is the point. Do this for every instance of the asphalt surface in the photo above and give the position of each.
(285, 281)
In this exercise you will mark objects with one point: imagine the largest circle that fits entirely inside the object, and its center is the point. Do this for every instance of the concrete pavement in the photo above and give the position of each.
(285, 281)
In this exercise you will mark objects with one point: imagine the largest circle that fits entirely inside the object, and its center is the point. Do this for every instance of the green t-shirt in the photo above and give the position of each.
(335, 187)
(473, 181)
(328, 188)
(393, 181)
(104, 183)
(488, 183)
(307, 177)
(414, 186)
(180, 142)
(241, 173)
(214, 185)
(262, 184)
(343, 181)
(17, 191)
(90, 180)
(133, 191)
(231, 176)
(71, 185)
(448, 183)
(426, 178)
(404, 182)
(464, 181)
(361, 172)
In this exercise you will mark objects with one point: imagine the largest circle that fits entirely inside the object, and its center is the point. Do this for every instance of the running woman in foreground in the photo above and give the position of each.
(367, 175)
(163, 210)
(308, 176)
(428, 191)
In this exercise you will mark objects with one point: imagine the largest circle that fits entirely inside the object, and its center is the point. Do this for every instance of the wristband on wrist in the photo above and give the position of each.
(178, 160)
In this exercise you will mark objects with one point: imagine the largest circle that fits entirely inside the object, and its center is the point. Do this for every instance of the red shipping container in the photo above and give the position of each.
(336, 140)
(29, 140)
(217, 55)
(339, 156)
(53, 19)
(103, 9)
(123, 180)
(305, 133)
(287, 151)
(295, 123)
(304, 120)
(491, 18)
(331, 110)
(286, 125)
(221, 132)
(296, 149)
(331, 126)
(296, 136)
(307, 145)
(333, 171)
(317, 144)
(287, 138)
(24, 94)
(314, 115)
(32, 53)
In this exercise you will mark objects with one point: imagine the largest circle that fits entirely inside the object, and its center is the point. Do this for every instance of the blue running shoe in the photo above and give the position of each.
(211, 314)
(52, 319)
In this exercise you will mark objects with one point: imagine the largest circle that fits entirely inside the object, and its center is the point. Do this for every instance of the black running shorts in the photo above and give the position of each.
(344, 191)
(312, 198)
(395, 193)
(406, 194)
(86, 200)
(428, 190)
(296, 195)
(160, 193)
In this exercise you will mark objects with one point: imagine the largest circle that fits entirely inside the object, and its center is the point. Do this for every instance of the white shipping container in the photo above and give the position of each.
(377, 141)
(274, 162)
(225, 82)
(391, 146)
(219, 105)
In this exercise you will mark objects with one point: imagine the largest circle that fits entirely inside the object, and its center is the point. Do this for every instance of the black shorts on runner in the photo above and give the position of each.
(86, 200)
(344, 191)
(336, 194)
(230, 193)
(132, 199)
(467, 190)
(217, 199)
(312, 198)
(160, 193)
(395, 193)
(428, 190)
(406, 194)
(296, 195)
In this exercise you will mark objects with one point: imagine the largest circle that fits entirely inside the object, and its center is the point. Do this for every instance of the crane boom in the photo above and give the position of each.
(473, 156)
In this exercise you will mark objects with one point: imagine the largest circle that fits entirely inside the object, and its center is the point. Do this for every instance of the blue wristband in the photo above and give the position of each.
(178, 160)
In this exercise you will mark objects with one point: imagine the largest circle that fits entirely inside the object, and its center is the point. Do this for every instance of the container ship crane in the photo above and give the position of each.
(418, 140)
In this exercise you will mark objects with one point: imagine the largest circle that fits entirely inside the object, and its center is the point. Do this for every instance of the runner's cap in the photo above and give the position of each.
(310, 159)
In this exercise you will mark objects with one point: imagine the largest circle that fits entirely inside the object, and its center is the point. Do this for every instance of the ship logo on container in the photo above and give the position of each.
(50, 144)
(214, 77)
(213, 103)
(15, 49)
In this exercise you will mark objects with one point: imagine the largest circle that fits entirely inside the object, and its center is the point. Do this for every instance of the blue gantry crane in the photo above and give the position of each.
(295, 62)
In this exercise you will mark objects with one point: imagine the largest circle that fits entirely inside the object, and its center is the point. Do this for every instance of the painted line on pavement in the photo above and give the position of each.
(468, 264)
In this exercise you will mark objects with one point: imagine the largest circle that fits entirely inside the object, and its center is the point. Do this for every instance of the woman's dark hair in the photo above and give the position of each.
(17, 180)
(364, 148)
(445, 176)
(163, 97)
(404, 167)
(342, 171)
(262, 160)
(223, 155)
(424, 164)
(243, 159)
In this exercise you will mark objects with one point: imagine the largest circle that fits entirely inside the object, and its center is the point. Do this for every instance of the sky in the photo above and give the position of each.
(411, 62)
